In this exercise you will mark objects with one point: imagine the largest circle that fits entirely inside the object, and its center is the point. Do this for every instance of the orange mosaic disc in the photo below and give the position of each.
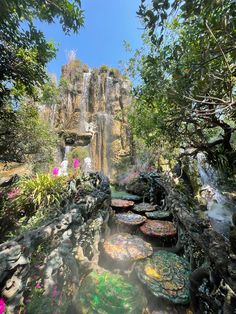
(118, 203)
(126, 247)
(130, 219)
(158, 228)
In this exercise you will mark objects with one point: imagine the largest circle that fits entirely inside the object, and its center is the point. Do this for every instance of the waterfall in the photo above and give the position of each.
(102, 153)
(219, 206)
(84, 108)
(103, 142)
(108, 94)
(68, 148)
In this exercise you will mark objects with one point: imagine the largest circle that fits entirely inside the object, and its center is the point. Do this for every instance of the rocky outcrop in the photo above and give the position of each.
(92, 114)
(211, 255)
(71, 240)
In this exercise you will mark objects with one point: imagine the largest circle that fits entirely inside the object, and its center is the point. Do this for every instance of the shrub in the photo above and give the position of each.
(103, 69)
(43, 190)
(26, 136)
(42, 304)
(114, 73)
(30, 202)
(85, 68)
(64, 86)
(79, 153)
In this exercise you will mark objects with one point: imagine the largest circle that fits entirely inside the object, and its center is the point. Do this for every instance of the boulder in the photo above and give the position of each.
(166, 275)
(158, 228)
(104, 292)
(126, 247)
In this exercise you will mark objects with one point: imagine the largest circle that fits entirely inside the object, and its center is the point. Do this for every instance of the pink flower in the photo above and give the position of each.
(55, 292)
(2, 306)
(55, 171)
(38, 286)
(13, 193)
(75, 163)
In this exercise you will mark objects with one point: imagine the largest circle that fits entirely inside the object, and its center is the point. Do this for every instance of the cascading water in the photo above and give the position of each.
(103, 143)
(68, 148)
(220, 208)
(83, 125)
(63, 169)
(90, 114)
(108, 94)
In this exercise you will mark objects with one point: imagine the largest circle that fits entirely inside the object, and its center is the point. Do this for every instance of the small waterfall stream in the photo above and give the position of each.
(93, 117)
(103, 138)
(83, 125)
(220, 207)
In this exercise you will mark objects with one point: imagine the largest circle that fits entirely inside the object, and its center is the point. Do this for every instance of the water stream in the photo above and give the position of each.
(220, 207)
(83, 124)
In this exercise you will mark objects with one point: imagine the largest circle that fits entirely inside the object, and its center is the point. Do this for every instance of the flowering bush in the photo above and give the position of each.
(13, 193)
(78, 153)
(2, 306)
(55, 171)
(42, 304)
(43, 190)
(76, 163)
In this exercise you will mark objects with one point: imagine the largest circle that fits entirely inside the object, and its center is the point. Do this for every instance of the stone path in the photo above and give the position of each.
(149, 280)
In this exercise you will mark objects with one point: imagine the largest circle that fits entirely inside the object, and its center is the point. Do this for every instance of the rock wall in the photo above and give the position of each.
(93, 114)
(70, 242)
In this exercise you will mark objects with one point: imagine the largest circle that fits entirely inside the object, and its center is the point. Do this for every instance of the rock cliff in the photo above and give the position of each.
(92, 115)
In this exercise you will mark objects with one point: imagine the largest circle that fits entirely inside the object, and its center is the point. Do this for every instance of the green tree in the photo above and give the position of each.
(24, 51)
(187, 90)
(25, 137)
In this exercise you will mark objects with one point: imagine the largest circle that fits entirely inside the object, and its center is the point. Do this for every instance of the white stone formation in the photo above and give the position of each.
(63, 170)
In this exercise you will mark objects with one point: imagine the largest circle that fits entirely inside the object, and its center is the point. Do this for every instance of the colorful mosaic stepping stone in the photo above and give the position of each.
(158, 228)
(130, 219)
(158, 214)
(126, 247)
(118, 203)
(166, 275)
(144, 207)
(103, 292)
(125, 196)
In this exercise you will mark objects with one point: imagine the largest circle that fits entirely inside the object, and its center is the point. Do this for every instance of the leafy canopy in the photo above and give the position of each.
(24, 51)
(25, 137)
(187, 70)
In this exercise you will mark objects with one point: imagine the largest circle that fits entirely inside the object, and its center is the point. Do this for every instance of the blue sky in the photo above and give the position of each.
(107, 24)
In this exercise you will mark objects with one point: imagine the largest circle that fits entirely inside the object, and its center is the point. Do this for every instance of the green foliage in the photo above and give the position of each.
(50, 93)
(35, 221)
(24, 51)
(72, 73)
(43, 191)
(186, 75)
(42, 304)
(24, 134)
(63, 86)
(114, 73)
(77, 153)
(103, 69)
(37, 199)
(85, 68)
